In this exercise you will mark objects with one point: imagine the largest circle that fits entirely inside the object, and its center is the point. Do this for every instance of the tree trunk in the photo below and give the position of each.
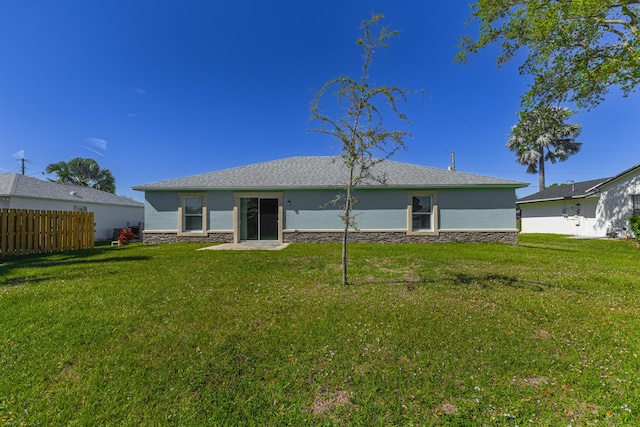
(347, 222)
(541, 170)
(344, 255)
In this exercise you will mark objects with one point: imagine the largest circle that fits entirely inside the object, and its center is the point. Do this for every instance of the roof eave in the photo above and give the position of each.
(79, 200)
(613, 178)
(555, 199)
(325, 187)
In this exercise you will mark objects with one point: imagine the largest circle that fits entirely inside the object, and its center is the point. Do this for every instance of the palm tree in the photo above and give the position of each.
(83, 172)
(542, 134)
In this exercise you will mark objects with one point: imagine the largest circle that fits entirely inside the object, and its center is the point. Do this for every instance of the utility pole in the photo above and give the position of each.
(22, 164)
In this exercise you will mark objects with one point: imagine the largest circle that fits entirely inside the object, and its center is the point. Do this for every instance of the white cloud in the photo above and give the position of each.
(98, 143)
(131, 114)
(141, 91)
(19, 154)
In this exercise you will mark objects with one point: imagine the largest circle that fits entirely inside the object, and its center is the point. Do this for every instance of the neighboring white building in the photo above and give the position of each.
(109, 210)
(593, 208)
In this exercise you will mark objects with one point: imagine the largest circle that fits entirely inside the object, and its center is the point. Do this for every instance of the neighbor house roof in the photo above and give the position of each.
(15, 185)
(316, 172)
(606, 181)
(576, 190)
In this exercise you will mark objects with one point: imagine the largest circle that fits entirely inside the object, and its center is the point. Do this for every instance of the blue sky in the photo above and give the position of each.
(155, 90)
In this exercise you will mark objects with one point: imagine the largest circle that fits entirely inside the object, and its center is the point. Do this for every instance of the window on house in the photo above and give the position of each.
(80, 208)
(193, 213)
(422, 212)
(636, 204)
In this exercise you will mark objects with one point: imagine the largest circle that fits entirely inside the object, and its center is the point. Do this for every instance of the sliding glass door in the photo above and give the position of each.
(258, 219)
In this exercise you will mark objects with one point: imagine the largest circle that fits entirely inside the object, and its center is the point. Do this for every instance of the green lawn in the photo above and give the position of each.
(543, 333)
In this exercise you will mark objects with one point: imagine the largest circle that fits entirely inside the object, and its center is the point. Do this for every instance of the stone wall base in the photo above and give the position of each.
(158, 238)
(509, 237)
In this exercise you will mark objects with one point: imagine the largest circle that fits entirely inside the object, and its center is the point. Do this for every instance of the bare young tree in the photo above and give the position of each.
(365, 142)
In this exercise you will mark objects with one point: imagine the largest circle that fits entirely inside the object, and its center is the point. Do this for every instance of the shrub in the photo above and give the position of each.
(126, 236)
(634, 224)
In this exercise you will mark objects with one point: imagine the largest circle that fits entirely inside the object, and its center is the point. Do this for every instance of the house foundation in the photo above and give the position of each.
(158, 238)
(508, 237)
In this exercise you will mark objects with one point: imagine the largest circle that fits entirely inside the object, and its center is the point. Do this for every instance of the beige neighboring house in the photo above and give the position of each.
(595, 208)
(109, 210)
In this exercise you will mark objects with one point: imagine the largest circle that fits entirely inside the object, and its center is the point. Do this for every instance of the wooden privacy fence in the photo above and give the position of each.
(28, 231)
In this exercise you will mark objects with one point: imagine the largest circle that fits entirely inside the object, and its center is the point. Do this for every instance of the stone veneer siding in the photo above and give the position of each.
(509, 237)
(157, 238)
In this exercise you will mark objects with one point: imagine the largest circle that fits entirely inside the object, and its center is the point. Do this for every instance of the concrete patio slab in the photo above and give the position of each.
(246, 247)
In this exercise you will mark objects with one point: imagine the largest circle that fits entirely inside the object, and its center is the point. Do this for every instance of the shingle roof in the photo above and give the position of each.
(14, 185)
(631, 169)
(577, 190)
(323, 172)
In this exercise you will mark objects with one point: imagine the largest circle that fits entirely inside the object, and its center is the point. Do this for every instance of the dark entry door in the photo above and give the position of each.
(268, 219)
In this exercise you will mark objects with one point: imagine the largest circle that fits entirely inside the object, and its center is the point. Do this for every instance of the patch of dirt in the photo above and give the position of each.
(534, 381)
(541, 334)
(329, 402)
(449, 408)
(584, 410)
(68, 373)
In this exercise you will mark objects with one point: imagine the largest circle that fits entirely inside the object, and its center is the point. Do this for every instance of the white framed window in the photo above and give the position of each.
(192, 214)
(80, 209)
(422, 212)
(636, 204)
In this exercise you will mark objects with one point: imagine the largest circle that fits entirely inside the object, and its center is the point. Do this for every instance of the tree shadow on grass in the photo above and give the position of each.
(485, 281)
(17, 281)
(84, 259)
(491, 280)
(545, 247)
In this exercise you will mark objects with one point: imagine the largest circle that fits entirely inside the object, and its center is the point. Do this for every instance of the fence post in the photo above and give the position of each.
(4, 232)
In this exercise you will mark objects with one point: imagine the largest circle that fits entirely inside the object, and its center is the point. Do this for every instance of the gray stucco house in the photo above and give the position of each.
(289, 200)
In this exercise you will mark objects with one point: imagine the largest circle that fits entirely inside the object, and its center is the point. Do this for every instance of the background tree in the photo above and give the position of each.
(542, 134)
(365, 142)
(576, 50)
(83, 172)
